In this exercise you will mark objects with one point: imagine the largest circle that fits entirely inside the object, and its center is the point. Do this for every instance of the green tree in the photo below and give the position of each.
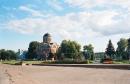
(110, 50)
(13, 55)
(3, 54)
(128, 48)
(121, 49)
(7, 54)
(70, 49)
(32, 50)
(88, 51)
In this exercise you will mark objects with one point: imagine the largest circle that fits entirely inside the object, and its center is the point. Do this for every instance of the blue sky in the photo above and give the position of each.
(85, 21)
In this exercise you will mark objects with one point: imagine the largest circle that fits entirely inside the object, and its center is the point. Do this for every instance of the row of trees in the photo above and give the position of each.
(8, 54)
(71, 49)
(68, 49)
(122, 51)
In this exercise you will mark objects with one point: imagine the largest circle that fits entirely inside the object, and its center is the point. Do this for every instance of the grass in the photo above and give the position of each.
(121, 62)
(14, 62)
(68, 62)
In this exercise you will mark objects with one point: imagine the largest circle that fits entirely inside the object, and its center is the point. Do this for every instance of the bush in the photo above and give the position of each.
(67, 62)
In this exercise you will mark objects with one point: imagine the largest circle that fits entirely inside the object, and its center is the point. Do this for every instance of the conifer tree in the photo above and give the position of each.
(110, 51)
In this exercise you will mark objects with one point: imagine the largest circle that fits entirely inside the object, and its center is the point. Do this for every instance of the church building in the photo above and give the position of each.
(47, 49)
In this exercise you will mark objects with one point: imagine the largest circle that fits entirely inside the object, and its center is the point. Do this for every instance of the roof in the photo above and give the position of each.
(47, 35)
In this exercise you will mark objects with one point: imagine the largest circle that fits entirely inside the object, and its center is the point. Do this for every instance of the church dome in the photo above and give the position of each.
(47, 35)
(46, 38)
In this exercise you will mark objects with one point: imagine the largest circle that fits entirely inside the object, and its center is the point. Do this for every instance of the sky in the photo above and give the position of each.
(85, 21)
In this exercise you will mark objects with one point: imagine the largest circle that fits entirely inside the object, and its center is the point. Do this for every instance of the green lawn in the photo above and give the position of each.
(121, 62)
(13, 62)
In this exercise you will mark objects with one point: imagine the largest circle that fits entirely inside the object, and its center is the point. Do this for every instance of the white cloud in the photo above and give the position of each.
(31, 11)
(93, 3)
(66, 26)
(79, 26)
(102, 19)
(85, 3)
(122, 3)
(87, 25)
(55, 4)
(74, 25)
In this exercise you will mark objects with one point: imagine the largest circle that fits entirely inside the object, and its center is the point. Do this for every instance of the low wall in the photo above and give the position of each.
(107, 66)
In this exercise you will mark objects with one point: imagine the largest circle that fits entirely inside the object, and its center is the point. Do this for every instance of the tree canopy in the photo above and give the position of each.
(110, 50)
(88, 51)
(121, 50)
(32, 50)
(70, 49)
(128, 48)
(7, 54)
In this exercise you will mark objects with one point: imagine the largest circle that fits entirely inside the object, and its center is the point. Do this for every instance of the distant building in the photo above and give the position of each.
(47, 49)
(99, 55)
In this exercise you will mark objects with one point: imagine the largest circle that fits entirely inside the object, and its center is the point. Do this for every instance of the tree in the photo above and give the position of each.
(121, 49)
(7, 54)
(32, 50)
(2, 54)
(110, 51)
(128, 48)
(70, 49)
(11, 54)
(88, 51)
